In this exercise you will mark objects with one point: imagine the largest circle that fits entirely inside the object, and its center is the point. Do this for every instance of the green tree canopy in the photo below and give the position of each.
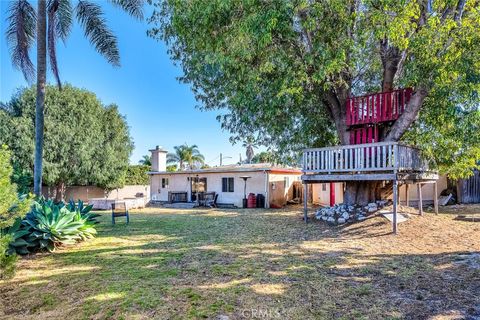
(137, 175)
(283, 70)
(85, 141)
(146, 160)
(264, 157)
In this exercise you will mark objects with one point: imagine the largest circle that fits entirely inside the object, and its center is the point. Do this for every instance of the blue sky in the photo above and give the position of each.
(159, 109)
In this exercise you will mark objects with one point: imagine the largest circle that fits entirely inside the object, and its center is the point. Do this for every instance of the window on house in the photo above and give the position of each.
(164, 183)
(227, 185)
(324, 187)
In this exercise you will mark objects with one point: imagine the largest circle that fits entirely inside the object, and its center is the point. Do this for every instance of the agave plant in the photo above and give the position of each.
(49, 225)
(53, 225)
(18, 238)
(83, 210)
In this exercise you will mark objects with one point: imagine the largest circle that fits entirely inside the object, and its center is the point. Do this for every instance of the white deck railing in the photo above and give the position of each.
(380, 156)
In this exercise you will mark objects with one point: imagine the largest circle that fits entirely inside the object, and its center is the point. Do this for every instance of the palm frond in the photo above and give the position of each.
(51, 39)
(20, 36)
(63, 20)
(172, 158)
(132, 7)
(90, 16)
(198, 158)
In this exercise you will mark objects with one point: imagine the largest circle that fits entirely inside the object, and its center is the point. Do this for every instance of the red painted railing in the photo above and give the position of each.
(366, 134)
(377, 107)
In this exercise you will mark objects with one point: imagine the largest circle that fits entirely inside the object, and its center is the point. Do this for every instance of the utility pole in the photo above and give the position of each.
(221, 159)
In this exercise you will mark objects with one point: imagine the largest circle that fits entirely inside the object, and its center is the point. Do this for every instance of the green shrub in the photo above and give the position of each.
(49, 225)
(11, 208)
(137, 175)
(7, 260)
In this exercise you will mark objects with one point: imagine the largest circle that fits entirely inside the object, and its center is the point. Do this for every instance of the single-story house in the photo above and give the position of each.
(276, 184)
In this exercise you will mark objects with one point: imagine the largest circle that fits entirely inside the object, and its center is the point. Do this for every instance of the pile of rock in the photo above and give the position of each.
(342, 213)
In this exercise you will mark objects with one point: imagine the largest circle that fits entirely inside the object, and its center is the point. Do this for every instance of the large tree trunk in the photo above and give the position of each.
(40, 100)
(362, 192)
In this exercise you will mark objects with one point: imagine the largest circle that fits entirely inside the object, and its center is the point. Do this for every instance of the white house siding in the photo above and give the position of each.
(276, 185)
(322, 197)
(427, 192)
(178, 182)
(281, 187)
(321, 193)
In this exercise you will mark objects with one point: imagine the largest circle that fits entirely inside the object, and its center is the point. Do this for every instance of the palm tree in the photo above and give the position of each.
(146, 160)
(186, 156)
(264, 157)
(248, 144)
(25, 25)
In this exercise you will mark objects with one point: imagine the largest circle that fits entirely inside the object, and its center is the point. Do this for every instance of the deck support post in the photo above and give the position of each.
(407, 195)
(435, 197)
(420, 200)
(395, 200)
(305, 199)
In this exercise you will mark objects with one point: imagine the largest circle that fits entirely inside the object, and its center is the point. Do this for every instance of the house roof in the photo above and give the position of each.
(236, 168)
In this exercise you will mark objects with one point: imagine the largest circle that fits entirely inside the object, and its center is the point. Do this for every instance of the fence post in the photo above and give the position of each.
(395, 200)
(305, 200)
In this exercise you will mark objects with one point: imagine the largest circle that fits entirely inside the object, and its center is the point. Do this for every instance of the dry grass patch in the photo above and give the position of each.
(202, 264)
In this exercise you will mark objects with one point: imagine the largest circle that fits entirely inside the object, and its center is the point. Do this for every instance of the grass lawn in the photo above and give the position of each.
(264, 264)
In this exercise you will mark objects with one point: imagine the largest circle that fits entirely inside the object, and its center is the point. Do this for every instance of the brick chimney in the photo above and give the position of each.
(159, 159)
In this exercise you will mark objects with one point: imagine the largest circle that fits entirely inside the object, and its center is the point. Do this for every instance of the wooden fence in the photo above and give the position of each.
(468, 190)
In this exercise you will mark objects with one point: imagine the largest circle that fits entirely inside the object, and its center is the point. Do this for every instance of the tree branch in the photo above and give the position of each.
(459, 10)
(390, 57)
(409, 115)
(338, 113)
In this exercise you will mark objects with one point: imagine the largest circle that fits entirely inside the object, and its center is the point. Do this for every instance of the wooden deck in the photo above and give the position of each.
(381, 161)
(372, 161)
